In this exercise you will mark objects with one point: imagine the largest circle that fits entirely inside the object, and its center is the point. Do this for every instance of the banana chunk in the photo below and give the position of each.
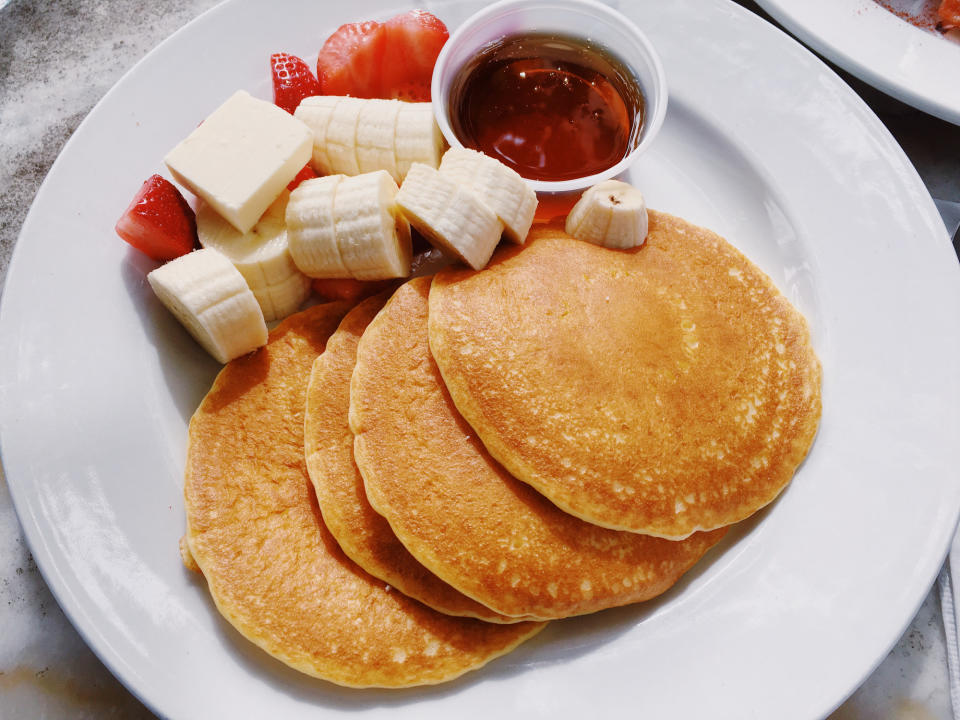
(262, 256)
(418, 138)
(612, 214)
(209, 296)
(500, 188)
(449, 215)
(311, 230)
(352, 136)
(315, 113)
(349, 227)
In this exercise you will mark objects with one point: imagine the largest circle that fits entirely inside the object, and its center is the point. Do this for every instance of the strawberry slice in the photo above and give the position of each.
(413, 42)
(306, 173)
(158, 221)
(350, 60)
(394, 59)
(347, 288)
(292, 81)
(948, 14)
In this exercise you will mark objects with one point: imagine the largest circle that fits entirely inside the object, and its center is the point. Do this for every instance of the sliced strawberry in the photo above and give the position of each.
(948, 14)
(292, 81)
(306, 174)
(394, 59)
(351, 59)
(413, 42)
(158, 221)
(348, 289)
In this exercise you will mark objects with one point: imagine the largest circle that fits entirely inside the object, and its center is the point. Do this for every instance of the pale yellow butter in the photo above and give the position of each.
(241, 157)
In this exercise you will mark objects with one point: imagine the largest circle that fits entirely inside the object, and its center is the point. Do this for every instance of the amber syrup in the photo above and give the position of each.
(550, 107)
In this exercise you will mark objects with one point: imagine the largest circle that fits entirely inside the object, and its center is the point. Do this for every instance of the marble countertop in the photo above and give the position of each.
(61, 58)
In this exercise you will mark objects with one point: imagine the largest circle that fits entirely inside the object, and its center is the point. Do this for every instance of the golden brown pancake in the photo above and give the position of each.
(460, 513)
(663, 390)
(364, 535)
(273, 569)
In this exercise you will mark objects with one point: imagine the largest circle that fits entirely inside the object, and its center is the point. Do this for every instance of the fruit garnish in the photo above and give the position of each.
(387, 60)
(347, 288)
(347, 227)
(292, 81)
(210, 298)
(158, 221)
(353, 135)
(306, 174)
(612, 214)
(413, 42)
(451, 216)
(948, 15)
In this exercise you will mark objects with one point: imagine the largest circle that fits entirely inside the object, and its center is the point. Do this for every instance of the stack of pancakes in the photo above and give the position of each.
(395, 493)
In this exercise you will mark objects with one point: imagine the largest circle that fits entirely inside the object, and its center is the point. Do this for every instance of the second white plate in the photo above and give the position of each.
(915, 66)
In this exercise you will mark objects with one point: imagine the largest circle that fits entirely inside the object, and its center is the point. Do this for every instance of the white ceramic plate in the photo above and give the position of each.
(915, 66)
(762, 143)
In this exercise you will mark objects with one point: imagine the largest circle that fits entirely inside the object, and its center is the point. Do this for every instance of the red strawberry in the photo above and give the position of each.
(350, 60)
(413, 42)
(948, 14)
(347, 288)
(158, 221)
(306, 174)
(292, 81)
(394, 59)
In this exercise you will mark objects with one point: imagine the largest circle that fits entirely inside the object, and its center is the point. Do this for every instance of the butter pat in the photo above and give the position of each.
(242, 157)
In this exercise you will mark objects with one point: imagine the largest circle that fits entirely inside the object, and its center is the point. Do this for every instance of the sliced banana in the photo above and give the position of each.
(449, 215)
(354, 135)
(500, 188)
(262, 256)
(342, 136)
(209, 296)
(418, 138)
(315, 113)
(349, 227)
(612, 214)
(373, 238)
(311, 230)
(376, 137)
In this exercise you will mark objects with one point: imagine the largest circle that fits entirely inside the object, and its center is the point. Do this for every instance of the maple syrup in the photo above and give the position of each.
(549, 106)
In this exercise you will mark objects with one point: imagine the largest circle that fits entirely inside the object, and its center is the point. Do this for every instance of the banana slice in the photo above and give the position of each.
(376, 136)
(500, 188)
(612, 214)
(418, 138)
(209, 296)
(311, 230)
(341, 136)
(353, 135)
(450, 216)
(348, 227)
(373, 238)
(315, 113)
(262, 256)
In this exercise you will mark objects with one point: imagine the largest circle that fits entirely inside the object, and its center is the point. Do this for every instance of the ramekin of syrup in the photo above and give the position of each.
(565, 92)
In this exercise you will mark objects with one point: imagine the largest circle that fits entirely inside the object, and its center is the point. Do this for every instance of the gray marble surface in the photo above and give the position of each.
(56, 61)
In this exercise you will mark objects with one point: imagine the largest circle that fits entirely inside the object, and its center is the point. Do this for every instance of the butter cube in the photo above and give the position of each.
(242, 157)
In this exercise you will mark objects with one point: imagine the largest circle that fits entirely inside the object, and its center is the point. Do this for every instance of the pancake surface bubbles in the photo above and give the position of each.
(364, 535)
(461, 514)
(662, 390)
(273, 569)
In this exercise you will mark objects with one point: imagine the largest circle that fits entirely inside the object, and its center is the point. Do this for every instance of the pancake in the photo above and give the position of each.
(364, 535)
(273, 569)
(461, 514)
(663, 390)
